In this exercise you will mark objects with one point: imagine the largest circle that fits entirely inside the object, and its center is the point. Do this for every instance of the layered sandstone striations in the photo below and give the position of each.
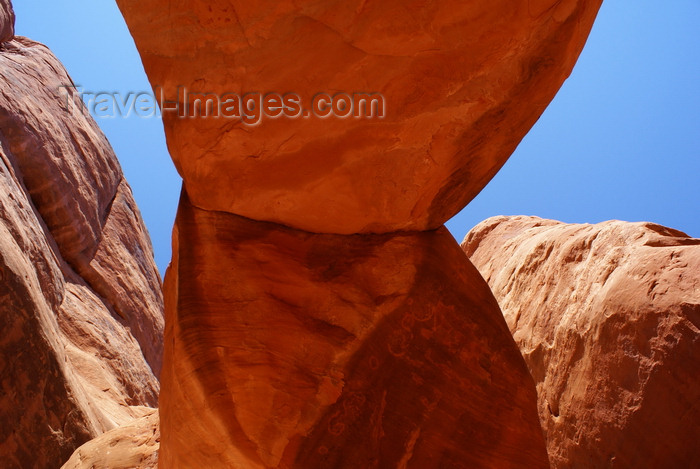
(80, 302)
(462, 84)
(607, 318)
(288, 349)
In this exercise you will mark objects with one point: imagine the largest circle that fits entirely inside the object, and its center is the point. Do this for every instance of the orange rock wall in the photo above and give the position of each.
(463, 83)
(292, 349)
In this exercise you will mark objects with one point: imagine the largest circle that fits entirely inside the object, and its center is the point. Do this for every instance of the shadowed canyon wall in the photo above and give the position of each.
(317, 313)
(607, 317)
(81, 315)
(306, 350)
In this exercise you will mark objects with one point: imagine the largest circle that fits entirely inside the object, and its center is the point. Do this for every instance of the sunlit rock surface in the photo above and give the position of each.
(607, 318)
(132, 446)
(80, 301)
(463, 82)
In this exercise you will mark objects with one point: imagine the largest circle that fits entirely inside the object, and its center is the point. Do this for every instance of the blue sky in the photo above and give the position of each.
(620, 141)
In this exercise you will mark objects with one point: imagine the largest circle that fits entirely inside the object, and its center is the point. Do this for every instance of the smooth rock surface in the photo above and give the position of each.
(131, 446)
(462, 82)
(288, 349)
(607, 318)
(80, 302)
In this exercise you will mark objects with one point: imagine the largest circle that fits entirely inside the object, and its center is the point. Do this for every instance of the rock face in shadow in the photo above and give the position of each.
(80, 301)
(7, 21)
(131, 446)
(607, 318)
(462, 84)
(292, 349)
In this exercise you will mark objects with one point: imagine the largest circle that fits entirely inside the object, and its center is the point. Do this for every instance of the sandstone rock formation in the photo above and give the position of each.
(462, 82)
(293, 349)
(7, 21)
(131, 446)
(607, 317)
(80, 302)
(365, 340)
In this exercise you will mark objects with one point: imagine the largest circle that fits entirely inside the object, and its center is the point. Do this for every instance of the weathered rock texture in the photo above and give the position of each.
(607, 318)
(7, 21)
(345, 349)
(462, 81)
(292, 349)
(80, 302)
(131, 446)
